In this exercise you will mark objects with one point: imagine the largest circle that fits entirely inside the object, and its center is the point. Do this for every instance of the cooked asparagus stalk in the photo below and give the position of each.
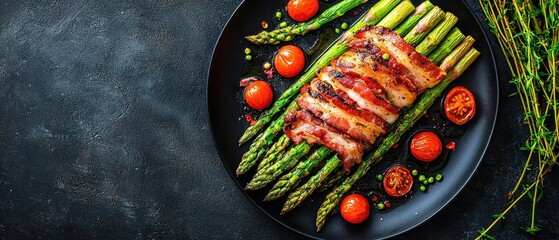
(266, 175)
(373, 16)
(334, 179)
(405, 7)
(261, 143)
(298, 196)
(434, 37)
(404, 124)
(412, 20)
(424, 25)
(288, 33)
(276, 150)
(292, 179)
(457, 53)
(449, 43)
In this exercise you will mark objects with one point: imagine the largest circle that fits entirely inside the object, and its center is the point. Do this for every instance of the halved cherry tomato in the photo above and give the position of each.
(426, 146)
(302, 10)
(459, 105)
(259, 95)
(397, 181)
(289, 61)
(355, 208)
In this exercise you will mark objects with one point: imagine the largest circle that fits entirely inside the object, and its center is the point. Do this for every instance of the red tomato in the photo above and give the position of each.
(355, 208)
(397, 181)
(426, 146)
(302, 10)
(259, 95)
(289, 61)
(459, 105)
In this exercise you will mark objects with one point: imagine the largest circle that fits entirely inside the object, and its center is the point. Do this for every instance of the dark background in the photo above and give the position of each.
(104, 134)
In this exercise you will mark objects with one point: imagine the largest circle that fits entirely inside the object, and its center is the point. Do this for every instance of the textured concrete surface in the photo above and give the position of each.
(103, 131)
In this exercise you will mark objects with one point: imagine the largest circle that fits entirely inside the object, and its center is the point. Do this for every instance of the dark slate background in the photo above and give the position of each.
(103, 131)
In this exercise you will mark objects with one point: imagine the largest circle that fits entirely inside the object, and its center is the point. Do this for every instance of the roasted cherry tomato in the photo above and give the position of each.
(397, 181)
(259, 95)
(355, 208)
(426, 146)
(302, 10)
(459, 105)
(289, 61)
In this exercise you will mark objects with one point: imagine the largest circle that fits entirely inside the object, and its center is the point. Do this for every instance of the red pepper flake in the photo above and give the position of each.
(269, 73)
(356, 12)
(451, 146)
(395, 145)
(387, 204)
(249, 119)
(264, 24)
(375, 198)
(245, 81)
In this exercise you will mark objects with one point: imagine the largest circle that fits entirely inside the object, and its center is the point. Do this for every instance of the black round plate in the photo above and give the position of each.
(227, 124)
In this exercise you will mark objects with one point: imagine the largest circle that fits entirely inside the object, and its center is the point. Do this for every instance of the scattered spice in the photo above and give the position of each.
(264, 24)
(387, 204)
(245, 81)
(249, 119)
(269, 73)
(451, 146)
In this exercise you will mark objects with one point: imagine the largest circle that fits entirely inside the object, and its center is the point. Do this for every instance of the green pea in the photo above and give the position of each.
(283, 24)
(385, 56)
(267, 65)
(247, 51)
(379, 177)
(439, 177)
(337, 30)
(414, 172)
(279, 15)
(248, 57)
(425, 182)
(422, 188)
(422, 178)
(344, 26)
(431, 179)
(380, 206)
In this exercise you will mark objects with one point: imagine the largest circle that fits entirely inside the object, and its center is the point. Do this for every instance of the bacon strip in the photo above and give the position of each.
(331, 108)
(302, 125)
(369, 98)
(399, 93)
(425, 73)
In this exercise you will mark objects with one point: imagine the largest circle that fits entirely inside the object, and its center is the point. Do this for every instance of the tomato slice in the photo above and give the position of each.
(302, 10)
(289, 61)
(459, 105)
(355, 208)
(397, 181)
(426, 146)
(259, 95)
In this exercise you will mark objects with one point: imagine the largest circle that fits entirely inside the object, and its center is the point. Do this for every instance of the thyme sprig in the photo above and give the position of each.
(528, 34)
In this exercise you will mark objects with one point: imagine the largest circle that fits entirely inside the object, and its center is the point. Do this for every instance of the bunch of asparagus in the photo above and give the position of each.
(429, 29)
